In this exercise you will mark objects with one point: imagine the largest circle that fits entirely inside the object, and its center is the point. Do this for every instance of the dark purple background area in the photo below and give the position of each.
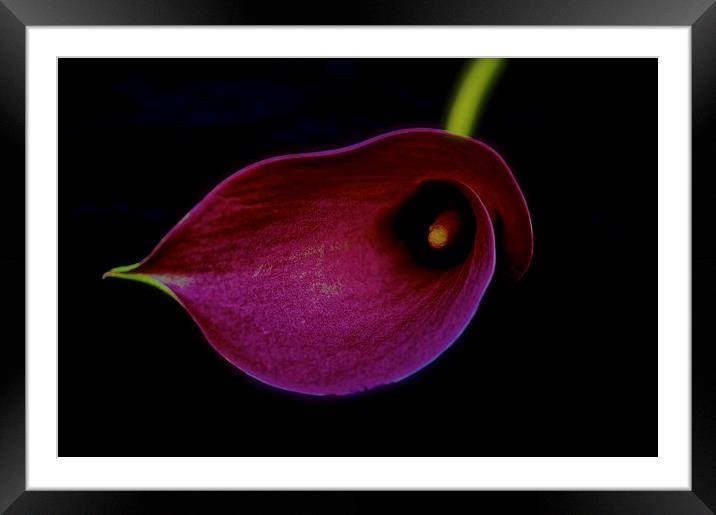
(564, 364)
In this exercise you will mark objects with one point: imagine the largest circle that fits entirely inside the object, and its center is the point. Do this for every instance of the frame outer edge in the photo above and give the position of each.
(12, 134)
(12, 257)
(703, 429)
(364, 12)
(352, 502)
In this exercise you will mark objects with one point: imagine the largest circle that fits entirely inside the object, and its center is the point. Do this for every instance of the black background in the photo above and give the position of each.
(563, 364)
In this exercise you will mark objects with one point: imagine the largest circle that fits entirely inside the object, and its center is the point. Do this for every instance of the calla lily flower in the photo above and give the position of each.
(339, 271)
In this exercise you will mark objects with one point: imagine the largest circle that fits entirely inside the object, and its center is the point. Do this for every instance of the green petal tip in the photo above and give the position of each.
(121, 272)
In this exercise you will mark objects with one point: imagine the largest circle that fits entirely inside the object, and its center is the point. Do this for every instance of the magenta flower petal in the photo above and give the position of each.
(334, 272)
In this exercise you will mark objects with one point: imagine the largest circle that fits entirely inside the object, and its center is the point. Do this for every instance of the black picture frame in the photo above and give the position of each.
(17, 15)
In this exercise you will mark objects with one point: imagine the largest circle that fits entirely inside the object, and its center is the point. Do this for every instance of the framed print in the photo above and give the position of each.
(416, 250)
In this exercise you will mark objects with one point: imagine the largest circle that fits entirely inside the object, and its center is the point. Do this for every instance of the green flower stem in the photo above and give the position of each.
(472, 93)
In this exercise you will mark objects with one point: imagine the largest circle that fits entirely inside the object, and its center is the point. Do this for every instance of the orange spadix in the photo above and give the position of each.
(443, 230)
